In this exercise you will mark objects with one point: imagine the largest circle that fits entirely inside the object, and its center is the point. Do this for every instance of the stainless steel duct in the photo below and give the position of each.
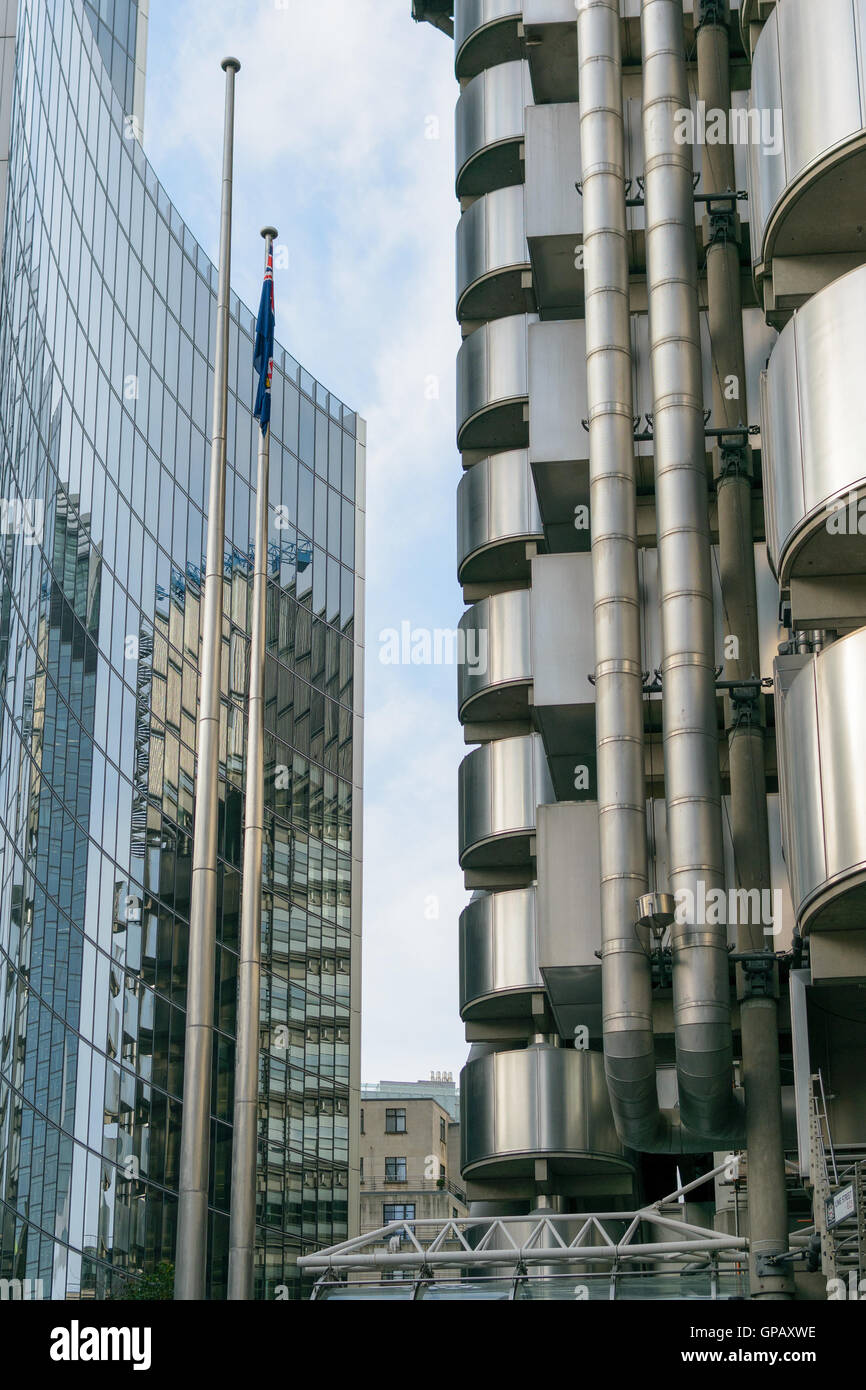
(759, 1022)
(691, 759)
(626, 975)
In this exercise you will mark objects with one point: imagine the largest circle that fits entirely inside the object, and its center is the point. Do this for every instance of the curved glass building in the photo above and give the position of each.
(107, 321)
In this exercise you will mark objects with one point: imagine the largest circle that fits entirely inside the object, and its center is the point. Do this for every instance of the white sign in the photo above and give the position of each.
(840, 1206)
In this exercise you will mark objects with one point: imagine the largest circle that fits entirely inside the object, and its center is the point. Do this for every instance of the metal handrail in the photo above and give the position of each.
(377, 1183)
(826, 1119)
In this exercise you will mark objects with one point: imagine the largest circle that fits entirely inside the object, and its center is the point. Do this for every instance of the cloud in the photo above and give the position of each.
(336, 101)
(413, 890)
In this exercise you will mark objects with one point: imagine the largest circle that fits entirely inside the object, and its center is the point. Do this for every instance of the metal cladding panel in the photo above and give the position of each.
(548, 11)
(769, 631)
(490, 112)
(506, 357)
(569, 871)
(820, 79)
(496, 504)
(501, 785)
(840, 673)
(783, 442)
(471, 245)
(498, 953)
(556, 377)
(562, 11)
(809, 66)
(815, 419)
(822, 731)
(514, 1083)
(485, 33)
(783, 925)
(557, 391)
(553, 168)
(538, 1101)
(473, 374)
(768, 467)
(505, 236)
(800, 775)
(831, 371)
(759, 339)
(477, 1111)
(563, 648)
(498, 640)
(490, 238)
(767, 171)
(492, 373)
(471, 15)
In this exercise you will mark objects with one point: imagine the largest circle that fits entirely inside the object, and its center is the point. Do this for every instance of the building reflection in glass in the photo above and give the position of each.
(106, 323)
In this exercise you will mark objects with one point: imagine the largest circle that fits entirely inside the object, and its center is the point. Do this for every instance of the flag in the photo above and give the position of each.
(263, 352)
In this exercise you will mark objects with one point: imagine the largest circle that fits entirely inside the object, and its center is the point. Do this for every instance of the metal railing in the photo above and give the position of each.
(378, 1183)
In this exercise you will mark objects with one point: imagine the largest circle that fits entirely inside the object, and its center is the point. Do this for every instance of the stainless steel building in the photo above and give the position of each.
(661, 284)
(107, 322)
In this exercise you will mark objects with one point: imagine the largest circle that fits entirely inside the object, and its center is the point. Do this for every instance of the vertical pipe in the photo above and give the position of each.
(192, 1214)
(768, 1217)
(627, 982)
(242, 1229)
(691, 760)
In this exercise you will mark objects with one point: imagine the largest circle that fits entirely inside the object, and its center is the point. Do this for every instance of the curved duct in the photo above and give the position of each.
(702, 1022)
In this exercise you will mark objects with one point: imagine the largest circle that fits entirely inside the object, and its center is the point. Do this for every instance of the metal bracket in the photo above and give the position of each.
(712, 12)
(773, 1266)
(726, 200)
(640, 197)
(631, 202)
(758, 975)
(662, 967)
(744, 704)
(732, 440)
(723, 227)
(734, 455)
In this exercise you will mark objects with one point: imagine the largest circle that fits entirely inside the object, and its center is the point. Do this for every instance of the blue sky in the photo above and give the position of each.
(344, 142)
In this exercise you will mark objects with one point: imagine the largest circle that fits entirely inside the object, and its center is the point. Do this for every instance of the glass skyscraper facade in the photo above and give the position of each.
(107, 324)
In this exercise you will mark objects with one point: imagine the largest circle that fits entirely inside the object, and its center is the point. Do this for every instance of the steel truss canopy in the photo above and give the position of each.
(521, 1242)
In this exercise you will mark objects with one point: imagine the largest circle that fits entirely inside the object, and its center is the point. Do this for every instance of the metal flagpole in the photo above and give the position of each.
(192, 1213)
(242, 1232)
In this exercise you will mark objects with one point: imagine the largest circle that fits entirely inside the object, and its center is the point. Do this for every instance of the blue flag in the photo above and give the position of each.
(263, 352)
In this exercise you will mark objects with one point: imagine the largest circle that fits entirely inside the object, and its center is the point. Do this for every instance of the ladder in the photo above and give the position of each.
(833, 1168)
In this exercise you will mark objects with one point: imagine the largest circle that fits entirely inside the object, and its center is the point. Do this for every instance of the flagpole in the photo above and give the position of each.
(242, 1230)
(192, 1206)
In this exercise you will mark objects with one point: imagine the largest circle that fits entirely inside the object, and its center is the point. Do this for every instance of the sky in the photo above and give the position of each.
(344, 142)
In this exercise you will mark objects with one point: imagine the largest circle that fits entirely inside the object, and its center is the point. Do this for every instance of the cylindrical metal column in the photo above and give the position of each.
(691, 759)
(192, 1214)
(627, 982)
(242, 1229)
(768, 1218)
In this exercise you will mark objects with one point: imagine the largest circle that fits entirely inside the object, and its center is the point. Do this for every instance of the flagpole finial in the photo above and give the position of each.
(269, 233)
(232, 63)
